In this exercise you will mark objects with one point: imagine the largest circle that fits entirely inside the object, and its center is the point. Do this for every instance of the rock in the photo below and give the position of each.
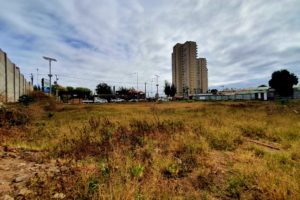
(7, 197)
(18, 179)
(54, 170)
(12, 155)
(64, 169)
(59, 196)
(24, 192)
(22, 164)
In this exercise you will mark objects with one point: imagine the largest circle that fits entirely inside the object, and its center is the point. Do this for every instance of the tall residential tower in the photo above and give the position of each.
(189, 74)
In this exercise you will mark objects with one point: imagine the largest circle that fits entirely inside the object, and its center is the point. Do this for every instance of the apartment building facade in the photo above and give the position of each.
(189, 73)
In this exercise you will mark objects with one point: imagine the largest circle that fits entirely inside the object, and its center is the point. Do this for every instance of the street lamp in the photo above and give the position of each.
(156, 87)
(50, 75)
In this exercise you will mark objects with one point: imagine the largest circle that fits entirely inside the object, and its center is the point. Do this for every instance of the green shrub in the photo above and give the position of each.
(172, 171)
(26, 99)
(104, 169)
(93, 185)
(137, 171)
(236, 185)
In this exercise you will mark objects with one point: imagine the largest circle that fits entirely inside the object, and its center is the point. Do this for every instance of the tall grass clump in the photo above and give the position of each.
(224, 140)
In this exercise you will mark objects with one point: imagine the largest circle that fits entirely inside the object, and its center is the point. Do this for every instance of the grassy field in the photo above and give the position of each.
(182, 150)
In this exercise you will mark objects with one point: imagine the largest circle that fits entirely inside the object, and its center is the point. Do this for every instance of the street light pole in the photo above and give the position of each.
(37, 78)
(156, 87)
(50, 75)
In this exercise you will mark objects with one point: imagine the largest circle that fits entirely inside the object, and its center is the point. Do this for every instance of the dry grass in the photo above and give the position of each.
(190, 150)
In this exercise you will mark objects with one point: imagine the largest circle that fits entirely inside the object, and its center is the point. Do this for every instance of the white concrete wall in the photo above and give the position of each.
(17, 83)
(12, 82)
(21, 85)
(2, 76)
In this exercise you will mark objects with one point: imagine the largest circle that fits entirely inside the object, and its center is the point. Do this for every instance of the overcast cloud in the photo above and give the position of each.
(108, 41)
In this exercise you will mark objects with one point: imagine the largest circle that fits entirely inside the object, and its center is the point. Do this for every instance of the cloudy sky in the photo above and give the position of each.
(110, 41)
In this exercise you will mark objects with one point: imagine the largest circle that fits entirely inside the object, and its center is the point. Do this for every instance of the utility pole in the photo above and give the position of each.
(151, 87)
(56, 92)
(31, 77)
(56, 79)
(50, 75)
(37, 77)
(156, 96)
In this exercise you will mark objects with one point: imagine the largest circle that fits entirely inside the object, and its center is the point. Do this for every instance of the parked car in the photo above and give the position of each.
(87, 101)
(117, 100)
(99, 100)
(133, 100)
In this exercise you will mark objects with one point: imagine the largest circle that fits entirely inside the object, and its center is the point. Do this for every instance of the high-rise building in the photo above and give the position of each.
(189, 74)
(202, 75)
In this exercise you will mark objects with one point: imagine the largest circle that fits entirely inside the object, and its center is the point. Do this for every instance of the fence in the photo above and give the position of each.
(246, 96)
(226, 97)
(12, 82)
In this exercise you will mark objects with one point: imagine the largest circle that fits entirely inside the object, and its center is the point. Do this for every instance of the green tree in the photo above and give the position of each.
(262, 86)
(283, 81)
(214, 91)
(83, 92)
(167, 89)
(123, 91)
(103, 88)
(59, 88)
(173, 90)
(70, 90)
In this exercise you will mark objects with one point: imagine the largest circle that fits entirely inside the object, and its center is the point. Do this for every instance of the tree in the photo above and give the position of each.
(214, 91)
(83, 92)
(103, 88)
(70, 90)
(262, 86)
(167, 89)
(282, 81)
(123, 91)
(60, 89)
(173, 90)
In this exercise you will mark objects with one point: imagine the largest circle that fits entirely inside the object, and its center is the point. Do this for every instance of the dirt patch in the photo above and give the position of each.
(17, 167)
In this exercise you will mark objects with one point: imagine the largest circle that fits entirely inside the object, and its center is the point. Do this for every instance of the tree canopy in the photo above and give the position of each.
(173, 90)
(103, 88)
(83, 92)
(170, 89)
(283, 81)
(214, 91)
(167, 89)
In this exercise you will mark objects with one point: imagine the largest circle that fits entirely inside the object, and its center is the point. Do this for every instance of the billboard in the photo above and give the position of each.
(45, 85)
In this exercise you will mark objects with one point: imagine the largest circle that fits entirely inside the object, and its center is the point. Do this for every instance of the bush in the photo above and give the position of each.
(26, 99)
(14, 116)
(236, 184)
(137, 171)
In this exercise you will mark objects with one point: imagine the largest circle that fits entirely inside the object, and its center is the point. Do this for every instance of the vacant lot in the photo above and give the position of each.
(189, 150)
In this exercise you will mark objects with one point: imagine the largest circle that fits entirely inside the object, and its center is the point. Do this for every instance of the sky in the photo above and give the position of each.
(119, 42)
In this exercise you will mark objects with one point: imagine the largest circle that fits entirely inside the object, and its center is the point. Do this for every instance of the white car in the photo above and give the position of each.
(117, 100)
(99, 100)
(87, 101)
